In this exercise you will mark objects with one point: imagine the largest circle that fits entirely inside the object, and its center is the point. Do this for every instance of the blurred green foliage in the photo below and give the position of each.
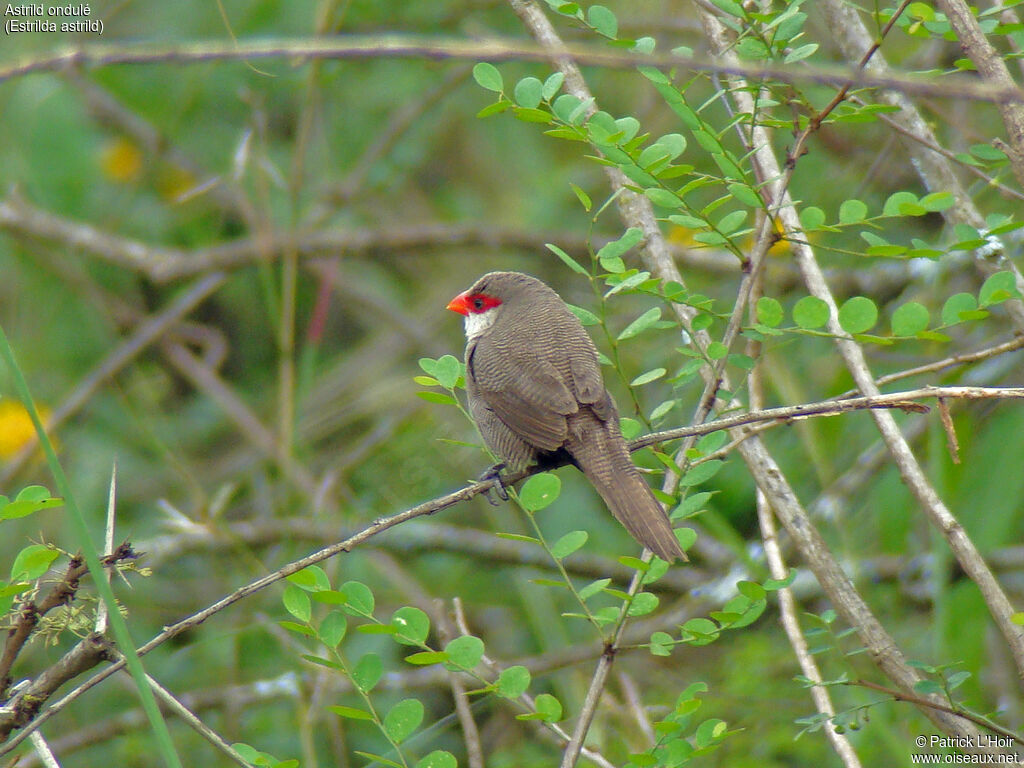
(373, 177)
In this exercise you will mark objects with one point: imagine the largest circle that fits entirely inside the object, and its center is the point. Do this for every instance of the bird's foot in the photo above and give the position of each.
(497, 484)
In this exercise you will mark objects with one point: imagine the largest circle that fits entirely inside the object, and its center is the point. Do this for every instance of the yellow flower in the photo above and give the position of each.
(121, 161)
(16, 429)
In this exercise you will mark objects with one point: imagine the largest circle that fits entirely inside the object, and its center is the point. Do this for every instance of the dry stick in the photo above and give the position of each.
(470, 732)
(993, 70)
(494, 49)
(788, 609)
(932, 166)
(146, 333)
(195, 723)
(527, 699)
(206, 380)
(164, 264)
(984, 722)
(910, 470)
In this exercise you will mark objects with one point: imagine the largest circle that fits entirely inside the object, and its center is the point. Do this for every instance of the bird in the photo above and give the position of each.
(536, 393)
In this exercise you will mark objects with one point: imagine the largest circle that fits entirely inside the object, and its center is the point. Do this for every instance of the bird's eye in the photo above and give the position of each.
(478, 303)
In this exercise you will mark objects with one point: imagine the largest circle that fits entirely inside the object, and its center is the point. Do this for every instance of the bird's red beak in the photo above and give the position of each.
(459, 304)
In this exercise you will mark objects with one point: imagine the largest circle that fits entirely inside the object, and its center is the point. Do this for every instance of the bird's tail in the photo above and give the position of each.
(601, 454)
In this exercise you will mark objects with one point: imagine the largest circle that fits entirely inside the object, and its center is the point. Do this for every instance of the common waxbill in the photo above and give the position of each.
(535, 390)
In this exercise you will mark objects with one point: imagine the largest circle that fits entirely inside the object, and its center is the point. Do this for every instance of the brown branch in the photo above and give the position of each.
(350, 47)
(62, 593)
(931, 703)
(25, 705)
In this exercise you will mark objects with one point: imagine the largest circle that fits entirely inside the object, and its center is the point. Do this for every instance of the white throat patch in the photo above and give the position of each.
(477, 323)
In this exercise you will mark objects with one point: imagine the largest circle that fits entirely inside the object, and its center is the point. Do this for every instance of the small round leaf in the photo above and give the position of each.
(810, 313)
(539, 491)
(909, 319)
(487, 76)
(858, 315)
(403, 719)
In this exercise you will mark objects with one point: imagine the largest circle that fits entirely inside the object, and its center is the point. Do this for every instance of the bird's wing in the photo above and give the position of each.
(524, 391)
(588, 387)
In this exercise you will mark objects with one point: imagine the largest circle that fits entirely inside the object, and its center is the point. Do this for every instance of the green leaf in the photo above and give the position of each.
(603, 21)
(438, 759)
(350, 712)
(811, 218)
(751, 590)
(642, 604)
(531, 115)
(858, 315)
(701, 473)
(487, 76)
(746, 195)
(25, 507)
(411, 625)
(539, 491)
(702, 631)
(801, 53)
(909, 319)
(568, 544)
(551, 86)
(631, 237)
(437, 397)
(955, 304)
(299, 629)
(403, 719)
(568, 260)
(593, 588)
(311, 579)
(548, 708)
(997, 288)
(662, 409)
(330, 664)
(367, 672)
(529, 92)
(34, 493)
(297, 603)
(358, 597)
(584, 199)
(852, 211)
(687, 537)
(375, 759)
(896, 200)
(938, 201)
(332, 629)
(927, 687)
(495, 108)
(769, 311)
(731, 222)
(810, 313)
(465, 651)
(513, 682)
(585, 316)
(447, 371)
(32, 562)
(772, 585)
(691, 505)
(647, 378)
(426, 658)
(663, 198)
(641, 324)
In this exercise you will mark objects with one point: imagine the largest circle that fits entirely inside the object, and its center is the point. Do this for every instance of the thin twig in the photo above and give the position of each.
(495, 49)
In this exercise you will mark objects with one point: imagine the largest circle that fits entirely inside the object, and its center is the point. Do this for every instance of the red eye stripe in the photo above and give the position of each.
(474, 303)
(481, 302)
